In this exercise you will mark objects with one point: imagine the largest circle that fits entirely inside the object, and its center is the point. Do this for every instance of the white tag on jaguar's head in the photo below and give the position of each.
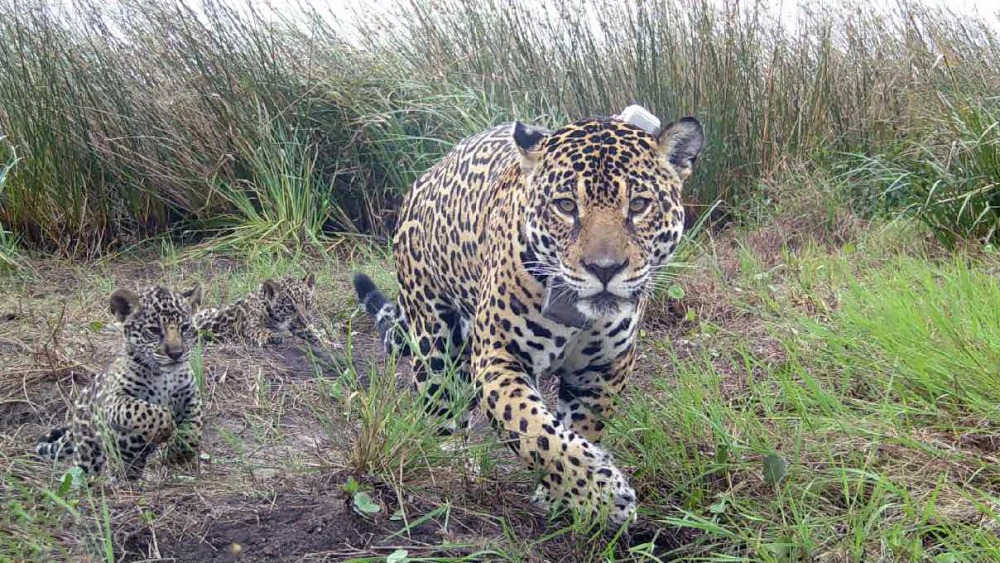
(640, 117)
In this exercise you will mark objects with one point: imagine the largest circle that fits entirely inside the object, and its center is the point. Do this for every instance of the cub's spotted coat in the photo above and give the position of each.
(526, 253)
(147, 397)
(263, 317)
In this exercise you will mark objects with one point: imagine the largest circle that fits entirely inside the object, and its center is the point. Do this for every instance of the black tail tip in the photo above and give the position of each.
(52, 436)
(363, 285)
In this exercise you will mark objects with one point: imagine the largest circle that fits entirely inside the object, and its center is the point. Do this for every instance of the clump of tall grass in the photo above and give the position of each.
(845, 76)
(280, 207)
(948, 177)
(130, 115)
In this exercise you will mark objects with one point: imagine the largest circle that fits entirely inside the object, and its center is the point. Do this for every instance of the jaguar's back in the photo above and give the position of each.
(443, 222)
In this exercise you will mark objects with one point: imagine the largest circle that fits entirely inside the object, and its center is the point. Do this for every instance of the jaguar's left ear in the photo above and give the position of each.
(528, 141)
(123, 303)
(681, 143)
(193, 297)
(270, 288)
(310, 280)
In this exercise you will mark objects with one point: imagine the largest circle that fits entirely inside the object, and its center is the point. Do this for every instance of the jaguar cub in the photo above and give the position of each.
(148, 397)
(263, 316)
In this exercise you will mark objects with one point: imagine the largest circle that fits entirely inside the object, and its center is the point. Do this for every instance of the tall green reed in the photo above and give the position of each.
(130, 115)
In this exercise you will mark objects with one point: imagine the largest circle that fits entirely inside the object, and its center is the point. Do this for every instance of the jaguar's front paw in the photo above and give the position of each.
(599, 490)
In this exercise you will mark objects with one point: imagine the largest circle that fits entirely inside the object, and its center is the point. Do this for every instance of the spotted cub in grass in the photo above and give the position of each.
(261, 318)
(147, 398)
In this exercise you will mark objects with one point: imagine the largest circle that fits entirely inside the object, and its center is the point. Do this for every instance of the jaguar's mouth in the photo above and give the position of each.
(605, 303)
(566, 306)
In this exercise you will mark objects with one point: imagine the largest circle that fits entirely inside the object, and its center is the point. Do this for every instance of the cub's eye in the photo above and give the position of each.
(155, 330)
(638, 205)
(567, 206)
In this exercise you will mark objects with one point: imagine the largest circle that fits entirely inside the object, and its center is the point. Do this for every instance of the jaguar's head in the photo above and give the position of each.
(157, 324)
(605, 208)
(289, 298)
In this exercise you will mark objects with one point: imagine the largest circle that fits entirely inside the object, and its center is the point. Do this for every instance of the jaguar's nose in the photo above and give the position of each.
(173, 344)
(605, 271)
(174, 352)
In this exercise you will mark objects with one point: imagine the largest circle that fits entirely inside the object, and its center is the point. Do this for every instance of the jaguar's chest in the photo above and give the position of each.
(160, 387)
(548, 347)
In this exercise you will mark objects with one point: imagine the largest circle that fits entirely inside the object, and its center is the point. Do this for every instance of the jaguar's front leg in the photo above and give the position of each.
(588, 396)
(139, 427)
(578, 472)
(186, 443)
(303, 329)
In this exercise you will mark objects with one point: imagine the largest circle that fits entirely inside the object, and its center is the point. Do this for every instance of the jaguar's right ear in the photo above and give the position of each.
(270, 288)
(193, 297)
(681, 143)
(528, 141)
(123, 304)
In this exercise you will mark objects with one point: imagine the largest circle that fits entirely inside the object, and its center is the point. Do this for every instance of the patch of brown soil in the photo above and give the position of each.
(292, 525)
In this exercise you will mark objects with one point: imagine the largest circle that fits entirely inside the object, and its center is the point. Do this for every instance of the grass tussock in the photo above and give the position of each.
(948, 177)
(9, 251)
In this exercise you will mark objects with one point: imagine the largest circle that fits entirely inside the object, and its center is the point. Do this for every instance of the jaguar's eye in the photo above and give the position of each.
(565, 205)
(638, 205)
(155, 330)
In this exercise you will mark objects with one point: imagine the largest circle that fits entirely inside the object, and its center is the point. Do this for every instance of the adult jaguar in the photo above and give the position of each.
(525, 253)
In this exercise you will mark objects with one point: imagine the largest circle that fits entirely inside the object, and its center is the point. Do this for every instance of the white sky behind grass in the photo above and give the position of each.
(341, 12)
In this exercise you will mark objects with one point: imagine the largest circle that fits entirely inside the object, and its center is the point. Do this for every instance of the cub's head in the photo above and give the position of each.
(605, 206)
(288, 298)
(157, 324)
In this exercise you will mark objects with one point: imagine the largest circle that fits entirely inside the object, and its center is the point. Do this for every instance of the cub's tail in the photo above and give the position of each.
(55, 444)
(389, 321)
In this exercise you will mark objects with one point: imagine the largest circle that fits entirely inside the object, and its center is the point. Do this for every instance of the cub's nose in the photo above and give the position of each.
(174, 352)
(173, 344)
(605, 271)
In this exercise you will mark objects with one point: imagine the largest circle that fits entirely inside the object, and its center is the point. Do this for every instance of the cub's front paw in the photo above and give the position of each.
(165, 430)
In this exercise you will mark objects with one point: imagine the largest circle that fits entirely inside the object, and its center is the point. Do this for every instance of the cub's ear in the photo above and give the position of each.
(681, 143)
(528, 141)
(270, 288)
(310, 280)
(193, 297)
(123, 304)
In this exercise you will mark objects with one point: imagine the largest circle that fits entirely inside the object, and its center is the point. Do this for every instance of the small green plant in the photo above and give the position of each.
(361, 500)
